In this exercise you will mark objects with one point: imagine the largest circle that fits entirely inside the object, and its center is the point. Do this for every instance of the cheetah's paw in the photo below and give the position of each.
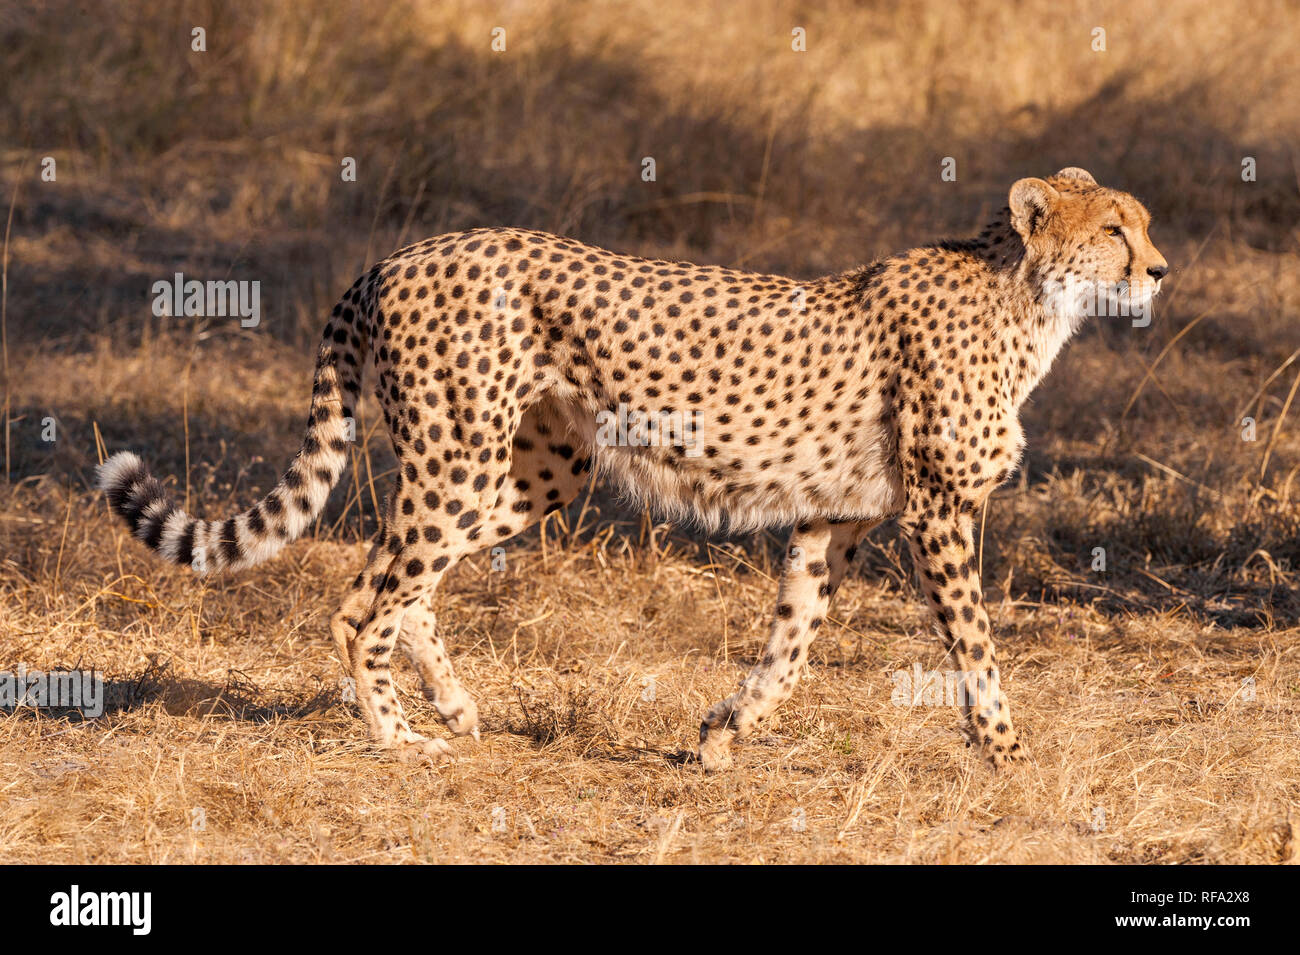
(717, 733)
(464, 721)
(422, 749)
(460, 717)
(1000, 755)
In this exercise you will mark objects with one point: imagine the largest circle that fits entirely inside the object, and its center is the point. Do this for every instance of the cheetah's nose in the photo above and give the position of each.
(1158, 272)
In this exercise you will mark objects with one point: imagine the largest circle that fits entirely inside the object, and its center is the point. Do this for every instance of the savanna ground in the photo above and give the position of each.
(1159, 698)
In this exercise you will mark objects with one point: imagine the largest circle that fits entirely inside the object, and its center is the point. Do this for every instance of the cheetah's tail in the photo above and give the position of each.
(260, 532)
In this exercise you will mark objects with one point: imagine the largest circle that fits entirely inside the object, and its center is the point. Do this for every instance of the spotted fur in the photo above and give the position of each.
(890, 391)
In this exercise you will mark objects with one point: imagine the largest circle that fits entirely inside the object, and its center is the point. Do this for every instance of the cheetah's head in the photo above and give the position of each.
(1086, 246)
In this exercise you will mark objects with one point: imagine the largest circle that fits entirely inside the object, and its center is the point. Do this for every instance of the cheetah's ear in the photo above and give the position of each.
(1074, 172)
(1031, 201)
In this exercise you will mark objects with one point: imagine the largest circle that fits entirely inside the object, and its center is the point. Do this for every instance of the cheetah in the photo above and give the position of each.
(890, 391)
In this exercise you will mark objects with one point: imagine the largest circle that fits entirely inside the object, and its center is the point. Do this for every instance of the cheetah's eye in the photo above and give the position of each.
(1111, 230)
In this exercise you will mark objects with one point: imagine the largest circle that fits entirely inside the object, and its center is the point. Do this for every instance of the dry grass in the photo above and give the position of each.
(596, 649)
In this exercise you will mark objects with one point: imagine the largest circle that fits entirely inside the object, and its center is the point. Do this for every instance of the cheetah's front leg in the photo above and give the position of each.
(944, 555)
(815, 562)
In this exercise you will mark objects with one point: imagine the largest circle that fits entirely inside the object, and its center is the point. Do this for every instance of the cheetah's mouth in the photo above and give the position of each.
(1127, 293)
(1124, 300)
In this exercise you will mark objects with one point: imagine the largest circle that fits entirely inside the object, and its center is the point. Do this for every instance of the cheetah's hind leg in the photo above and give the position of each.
(345, 627)
(487, 486)
(546, 473)
(428, 655)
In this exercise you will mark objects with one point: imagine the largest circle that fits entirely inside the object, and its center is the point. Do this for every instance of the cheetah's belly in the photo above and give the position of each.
(686, 471)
